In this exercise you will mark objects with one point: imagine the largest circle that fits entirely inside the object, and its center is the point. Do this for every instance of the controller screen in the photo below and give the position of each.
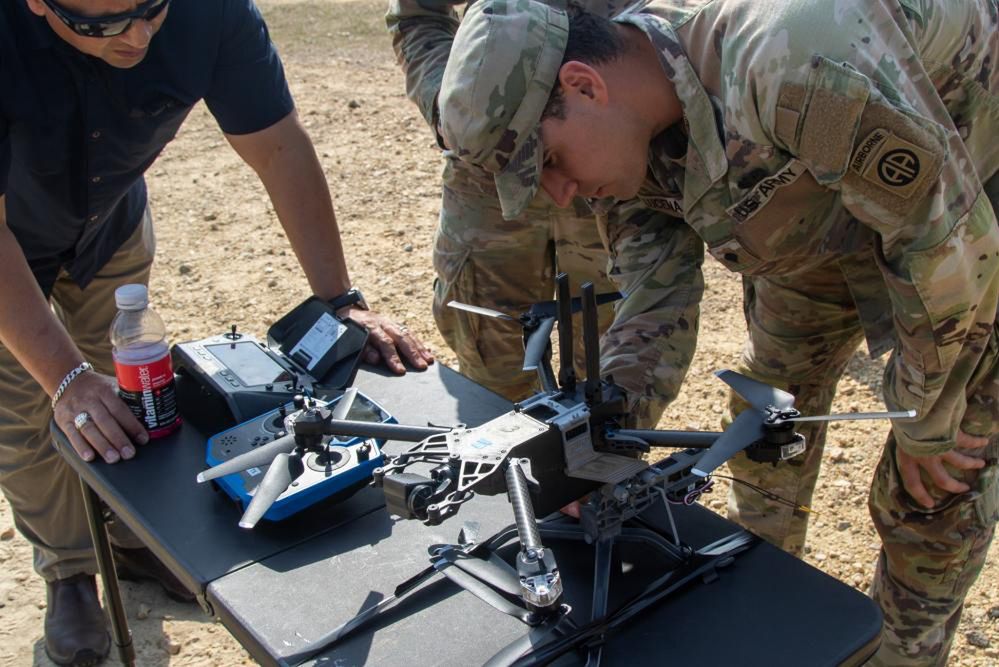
(250, 364)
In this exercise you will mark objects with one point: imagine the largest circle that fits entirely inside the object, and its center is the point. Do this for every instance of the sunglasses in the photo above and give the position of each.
(111, 24)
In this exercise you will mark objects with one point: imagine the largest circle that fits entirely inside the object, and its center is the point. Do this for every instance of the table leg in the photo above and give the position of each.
(109, 578)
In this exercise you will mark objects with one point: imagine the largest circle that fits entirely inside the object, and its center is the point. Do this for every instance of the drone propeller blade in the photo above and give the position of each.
(488, 312)
(758, 394)
(479, 589)
(495, 572)
(550, 308)
(261, 456)
(282, 472)
(847, 416)
(608, 297)
(744, 431)
(344, 404)
(537, 342)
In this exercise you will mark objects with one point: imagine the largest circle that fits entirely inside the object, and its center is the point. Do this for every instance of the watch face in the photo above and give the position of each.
(360, 299)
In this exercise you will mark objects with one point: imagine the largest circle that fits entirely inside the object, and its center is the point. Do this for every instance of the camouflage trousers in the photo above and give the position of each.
(803, 331)
(507, 265)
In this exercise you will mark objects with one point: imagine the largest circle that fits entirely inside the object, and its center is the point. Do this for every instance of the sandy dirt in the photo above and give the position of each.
(223, 259)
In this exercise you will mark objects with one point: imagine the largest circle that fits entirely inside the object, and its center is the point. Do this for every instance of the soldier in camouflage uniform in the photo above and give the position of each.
(479, 257)
(841, 156)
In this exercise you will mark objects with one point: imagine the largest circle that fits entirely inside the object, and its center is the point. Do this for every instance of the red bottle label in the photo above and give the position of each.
(149, 391)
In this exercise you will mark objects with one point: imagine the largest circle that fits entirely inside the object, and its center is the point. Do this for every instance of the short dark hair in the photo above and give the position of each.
(592, 40)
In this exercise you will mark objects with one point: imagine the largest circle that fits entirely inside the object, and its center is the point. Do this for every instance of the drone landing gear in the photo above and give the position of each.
(702, 563)
(560, 529)
(478, 568)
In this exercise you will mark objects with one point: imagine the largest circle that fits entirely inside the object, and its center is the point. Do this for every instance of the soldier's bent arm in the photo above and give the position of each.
(939, 256)
(656, 261)
(890, 149)
(422, 32)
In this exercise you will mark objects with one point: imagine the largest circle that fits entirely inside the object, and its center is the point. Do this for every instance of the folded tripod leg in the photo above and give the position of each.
(603, 560)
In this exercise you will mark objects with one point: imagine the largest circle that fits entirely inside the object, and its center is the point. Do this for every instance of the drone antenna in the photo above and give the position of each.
(566, 370)
(591, 343)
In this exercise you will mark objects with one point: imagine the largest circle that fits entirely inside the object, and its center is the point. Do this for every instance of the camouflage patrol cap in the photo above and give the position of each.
(504, 61)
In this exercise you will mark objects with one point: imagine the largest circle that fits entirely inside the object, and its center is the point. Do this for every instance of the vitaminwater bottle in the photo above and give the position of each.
(142, 362)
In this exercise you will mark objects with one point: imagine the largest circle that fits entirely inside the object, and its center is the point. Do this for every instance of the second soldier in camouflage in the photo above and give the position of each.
(841, 156)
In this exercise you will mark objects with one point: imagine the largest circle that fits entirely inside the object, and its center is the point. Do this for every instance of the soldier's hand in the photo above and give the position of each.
(968, 454)
(390, 342)
(96, 421)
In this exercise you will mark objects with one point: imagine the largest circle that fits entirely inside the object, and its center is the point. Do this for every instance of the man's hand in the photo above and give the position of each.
(388, 339)
(112, 428)
(966, 455)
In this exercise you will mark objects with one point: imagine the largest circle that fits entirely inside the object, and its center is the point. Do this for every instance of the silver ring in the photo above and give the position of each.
(404, 329)
(81, 420)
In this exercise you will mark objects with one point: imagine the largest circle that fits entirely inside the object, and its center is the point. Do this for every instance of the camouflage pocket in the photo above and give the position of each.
(449, 259)
(455, 281)
(987, 504)
(950, 279)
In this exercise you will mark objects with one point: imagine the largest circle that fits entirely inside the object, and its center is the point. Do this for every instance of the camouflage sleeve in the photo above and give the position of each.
(656, 261)
(422, 31)
(912, 180)
(944, 296)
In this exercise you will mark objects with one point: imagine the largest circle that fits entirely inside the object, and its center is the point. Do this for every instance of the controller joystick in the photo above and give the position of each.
(332, 466)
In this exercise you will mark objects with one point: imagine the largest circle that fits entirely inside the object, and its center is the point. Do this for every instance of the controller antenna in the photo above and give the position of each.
(566, 369)
(591, 344)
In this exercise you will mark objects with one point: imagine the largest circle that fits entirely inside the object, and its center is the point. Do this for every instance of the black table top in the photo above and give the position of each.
(193, 527)
(281, 585)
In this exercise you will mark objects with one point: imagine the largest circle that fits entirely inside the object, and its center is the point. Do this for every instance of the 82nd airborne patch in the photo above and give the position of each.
(891, 163)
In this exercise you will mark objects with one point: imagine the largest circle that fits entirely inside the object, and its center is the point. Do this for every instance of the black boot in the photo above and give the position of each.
(75, 627)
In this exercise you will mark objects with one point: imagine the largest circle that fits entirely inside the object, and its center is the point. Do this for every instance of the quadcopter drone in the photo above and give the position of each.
(563, 444)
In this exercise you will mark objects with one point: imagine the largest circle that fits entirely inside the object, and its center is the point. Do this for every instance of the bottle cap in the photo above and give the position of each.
(131, 297)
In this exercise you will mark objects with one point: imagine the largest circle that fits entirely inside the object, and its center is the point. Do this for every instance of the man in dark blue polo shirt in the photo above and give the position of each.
(90, 92)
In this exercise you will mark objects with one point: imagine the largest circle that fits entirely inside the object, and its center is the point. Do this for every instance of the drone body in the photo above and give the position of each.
(550, 431)
(567, 443)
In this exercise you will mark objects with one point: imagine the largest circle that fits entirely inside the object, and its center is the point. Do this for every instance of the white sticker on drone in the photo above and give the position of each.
(253, 472)
(318, 340)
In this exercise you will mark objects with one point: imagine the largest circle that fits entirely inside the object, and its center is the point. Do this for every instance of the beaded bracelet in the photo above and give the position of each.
(70, 376)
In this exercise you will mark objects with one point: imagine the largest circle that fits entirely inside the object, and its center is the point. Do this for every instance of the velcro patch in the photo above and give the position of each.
(892, 163)
(763, 191)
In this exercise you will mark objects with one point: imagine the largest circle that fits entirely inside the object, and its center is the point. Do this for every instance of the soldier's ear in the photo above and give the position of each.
(578, 78)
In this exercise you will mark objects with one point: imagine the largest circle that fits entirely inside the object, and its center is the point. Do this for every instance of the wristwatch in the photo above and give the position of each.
(351, 297)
